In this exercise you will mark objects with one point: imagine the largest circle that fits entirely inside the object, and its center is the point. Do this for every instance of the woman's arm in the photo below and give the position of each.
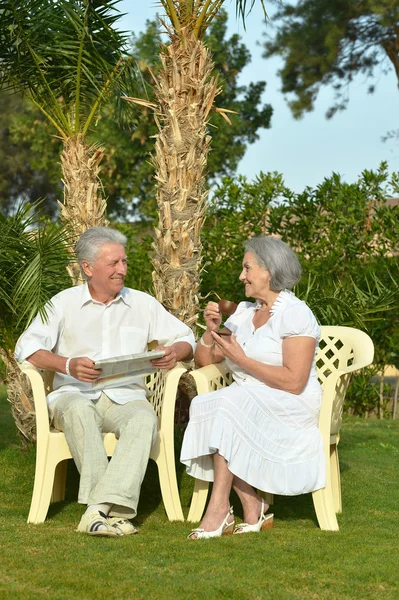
(292, 376)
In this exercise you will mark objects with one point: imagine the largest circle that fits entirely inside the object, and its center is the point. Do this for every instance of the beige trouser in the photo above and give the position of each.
(117, 481)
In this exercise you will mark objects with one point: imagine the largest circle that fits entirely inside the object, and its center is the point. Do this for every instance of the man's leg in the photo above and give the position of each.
(135, 426)
(78, 418)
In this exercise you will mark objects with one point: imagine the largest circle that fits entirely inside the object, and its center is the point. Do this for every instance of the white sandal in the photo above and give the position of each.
(225, 529)
(265, 522)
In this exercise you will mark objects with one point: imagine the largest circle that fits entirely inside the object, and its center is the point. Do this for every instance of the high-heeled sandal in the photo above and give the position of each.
(224, 529)
(265, 522)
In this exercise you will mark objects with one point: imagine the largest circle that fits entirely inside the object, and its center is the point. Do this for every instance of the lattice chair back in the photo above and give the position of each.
(340, 348)
(156, 383)
(334, 352)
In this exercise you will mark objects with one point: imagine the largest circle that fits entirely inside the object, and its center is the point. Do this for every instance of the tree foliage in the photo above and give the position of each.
(126, 174)
(329, 42)
(23, 175)
(64, 56)
(33, 268)
(346, 236)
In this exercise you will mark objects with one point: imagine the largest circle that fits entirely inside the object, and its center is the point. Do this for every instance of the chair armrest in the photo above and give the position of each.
(39, 397)
(211, 377)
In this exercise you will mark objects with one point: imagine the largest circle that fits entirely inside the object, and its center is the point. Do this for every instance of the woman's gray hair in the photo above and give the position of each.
(278, 258)
(92, 240)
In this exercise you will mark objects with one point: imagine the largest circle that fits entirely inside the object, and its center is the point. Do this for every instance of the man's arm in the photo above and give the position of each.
(174, 353)
(81, 368)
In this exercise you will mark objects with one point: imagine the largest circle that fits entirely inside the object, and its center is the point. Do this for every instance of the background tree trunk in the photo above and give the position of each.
(185, 90)
(84, 203)
(20, 397)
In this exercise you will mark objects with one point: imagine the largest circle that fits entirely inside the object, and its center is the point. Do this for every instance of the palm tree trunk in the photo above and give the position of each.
(84, 203)
(19, 394)
(185, 90)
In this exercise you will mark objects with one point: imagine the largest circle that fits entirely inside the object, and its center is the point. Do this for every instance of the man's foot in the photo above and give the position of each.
(96, 523)
(122, 526)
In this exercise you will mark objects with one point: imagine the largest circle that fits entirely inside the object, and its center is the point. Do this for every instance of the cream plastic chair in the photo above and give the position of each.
(342, 350)
(52, 450)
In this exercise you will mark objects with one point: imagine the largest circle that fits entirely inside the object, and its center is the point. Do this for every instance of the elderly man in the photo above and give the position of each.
(97, 320)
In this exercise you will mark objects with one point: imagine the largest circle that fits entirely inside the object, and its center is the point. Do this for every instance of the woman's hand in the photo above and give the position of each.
(230, 347)
(212, 316)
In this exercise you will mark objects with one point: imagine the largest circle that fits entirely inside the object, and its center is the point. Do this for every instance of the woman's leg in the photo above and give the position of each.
(219, 502)
(251, 502)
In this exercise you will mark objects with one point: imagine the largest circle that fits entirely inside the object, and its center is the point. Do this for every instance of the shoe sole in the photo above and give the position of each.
(127, 532)
(99, 533)
(267, 524)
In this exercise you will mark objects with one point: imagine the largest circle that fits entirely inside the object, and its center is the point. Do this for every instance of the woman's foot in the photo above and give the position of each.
(213, 525)
(254, 509)
(264, 521)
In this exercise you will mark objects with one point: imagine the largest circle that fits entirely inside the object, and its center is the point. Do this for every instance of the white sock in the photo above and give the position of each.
(104, 508)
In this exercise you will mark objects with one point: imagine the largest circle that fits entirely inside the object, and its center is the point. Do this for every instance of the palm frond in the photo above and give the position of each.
(242, 11)
(349, 304)
(63, 55)
(195, 16)
(33, 262)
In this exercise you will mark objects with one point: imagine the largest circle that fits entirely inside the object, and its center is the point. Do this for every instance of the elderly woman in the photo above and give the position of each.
(261, 431)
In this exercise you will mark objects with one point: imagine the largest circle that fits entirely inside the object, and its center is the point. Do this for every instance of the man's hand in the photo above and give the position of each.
(82, 368)
(165, 362)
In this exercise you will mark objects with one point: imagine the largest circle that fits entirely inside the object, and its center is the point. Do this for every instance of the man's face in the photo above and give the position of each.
(107, 273)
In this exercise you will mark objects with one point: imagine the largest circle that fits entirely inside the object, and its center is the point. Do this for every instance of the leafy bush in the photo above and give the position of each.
(345, 236)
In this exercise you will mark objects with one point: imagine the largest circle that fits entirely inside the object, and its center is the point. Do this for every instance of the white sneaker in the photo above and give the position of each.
(96, 523)
(122, 526)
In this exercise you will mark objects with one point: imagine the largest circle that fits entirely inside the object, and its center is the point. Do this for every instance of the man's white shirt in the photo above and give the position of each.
(77, 325)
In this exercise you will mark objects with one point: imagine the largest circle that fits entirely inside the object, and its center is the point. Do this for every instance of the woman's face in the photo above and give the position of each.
(255, 278)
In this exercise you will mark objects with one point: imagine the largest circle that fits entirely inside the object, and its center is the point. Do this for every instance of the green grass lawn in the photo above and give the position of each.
(295, 560)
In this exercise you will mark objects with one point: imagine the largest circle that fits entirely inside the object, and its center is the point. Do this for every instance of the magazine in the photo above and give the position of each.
(125, 369)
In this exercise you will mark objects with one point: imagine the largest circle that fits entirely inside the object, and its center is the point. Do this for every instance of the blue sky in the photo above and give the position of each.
(309, 150)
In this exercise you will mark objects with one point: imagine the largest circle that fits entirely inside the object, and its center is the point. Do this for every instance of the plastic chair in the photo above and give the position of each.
(52, 450)
(341, 351)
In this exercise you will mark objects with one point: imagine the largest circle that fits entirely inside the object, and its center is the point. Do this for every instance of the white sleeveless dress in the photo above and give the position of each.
(268, 437)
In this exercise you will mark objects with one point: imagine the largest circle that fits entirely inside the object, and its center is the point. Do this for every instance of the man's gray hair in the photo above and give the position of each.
(278, 258)
(92, 240)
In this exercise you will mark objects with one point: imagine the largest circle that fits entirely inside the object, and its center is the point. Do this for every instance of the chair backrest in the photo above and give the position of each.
(48, 379)
(340, 348)
(155, 382)
(341, 351)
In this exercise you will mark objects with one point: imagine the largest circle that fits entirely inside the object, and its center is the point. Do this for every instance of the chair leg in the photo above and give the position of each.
(268, 498)
(58, 494)
(324, 506)
(40, 472)
(42, 491)
(168, 482)
(335, 478)
(198, 501)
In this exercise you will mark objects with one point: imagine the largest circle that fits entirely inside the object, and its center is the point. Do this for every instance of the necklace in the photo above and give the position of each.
(261, 307)
(262, 310)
